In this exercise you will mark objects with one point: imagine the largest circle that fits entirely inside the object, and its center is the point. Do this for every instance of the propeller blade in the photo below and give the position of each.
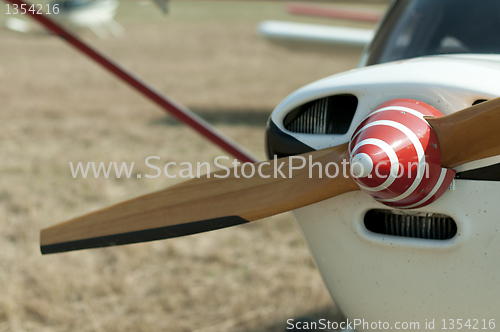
(470, 134)
(202, 204)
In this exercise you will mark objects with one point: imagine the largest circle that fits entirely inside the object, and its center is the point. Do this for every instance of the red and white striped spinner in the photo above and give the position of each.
(395, 157)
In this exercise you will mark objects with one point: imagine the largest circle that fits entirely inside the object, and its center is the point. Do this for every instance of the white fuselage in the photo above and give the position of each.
(394, 279)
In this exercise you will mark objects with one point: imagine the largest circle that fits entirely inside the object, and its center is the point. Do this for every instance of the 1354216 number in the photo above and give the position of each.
(469, 324)
(33, 9)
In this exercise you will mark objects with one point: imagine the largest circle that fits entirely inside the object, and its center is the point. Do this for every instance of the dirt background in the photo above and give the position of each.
(57, 106)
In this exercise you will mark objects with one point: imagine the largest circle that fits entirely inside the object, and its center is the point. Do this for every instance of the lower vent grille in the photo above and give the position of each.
(433, 227)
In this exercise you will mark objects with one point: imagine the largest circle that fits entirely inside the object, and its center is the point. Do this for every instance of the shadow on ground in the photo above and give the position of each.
(231, 117)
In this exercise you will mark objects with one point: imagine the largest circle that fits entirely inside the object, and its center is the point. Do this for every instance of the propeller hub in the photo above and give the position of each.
(361, 165)
(395, 156)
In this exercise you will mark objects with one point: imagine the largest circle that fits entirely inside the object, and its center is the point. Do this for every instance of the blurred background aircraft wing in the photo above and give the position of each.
(294, 33)
(281, 31)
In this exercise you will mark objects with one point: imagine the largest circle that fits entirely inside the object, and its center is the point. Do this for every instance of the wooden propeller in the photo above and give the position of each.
(200, 205)
(470, 134)
(210, 203)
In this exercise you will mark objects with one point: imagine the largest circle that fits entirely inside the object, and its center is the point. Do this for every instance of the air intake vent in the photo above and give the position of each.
(433, 227)
(329, 115)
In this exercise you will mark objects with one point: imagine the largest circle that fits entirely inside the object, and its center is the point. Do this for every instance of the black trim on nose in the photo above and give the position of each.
(487, 173)
(281, 144)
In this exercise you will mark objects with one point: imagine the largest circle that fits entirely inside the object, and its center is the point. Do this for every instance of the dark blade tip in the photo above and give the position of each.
(144, 235)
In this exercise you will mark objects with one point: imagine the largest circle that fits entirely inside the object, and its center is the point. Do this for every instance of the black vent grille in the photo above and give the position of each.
(329, 115)
(433, 227)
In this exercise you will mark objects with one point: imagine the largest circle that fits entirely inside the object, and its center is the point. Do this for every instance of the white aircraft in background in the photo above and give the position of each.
(97, 15)
(293, 32)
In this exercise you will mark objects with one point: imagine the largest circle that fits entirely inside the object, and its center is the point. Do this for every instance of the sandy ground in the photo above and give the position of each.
(58, 107)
